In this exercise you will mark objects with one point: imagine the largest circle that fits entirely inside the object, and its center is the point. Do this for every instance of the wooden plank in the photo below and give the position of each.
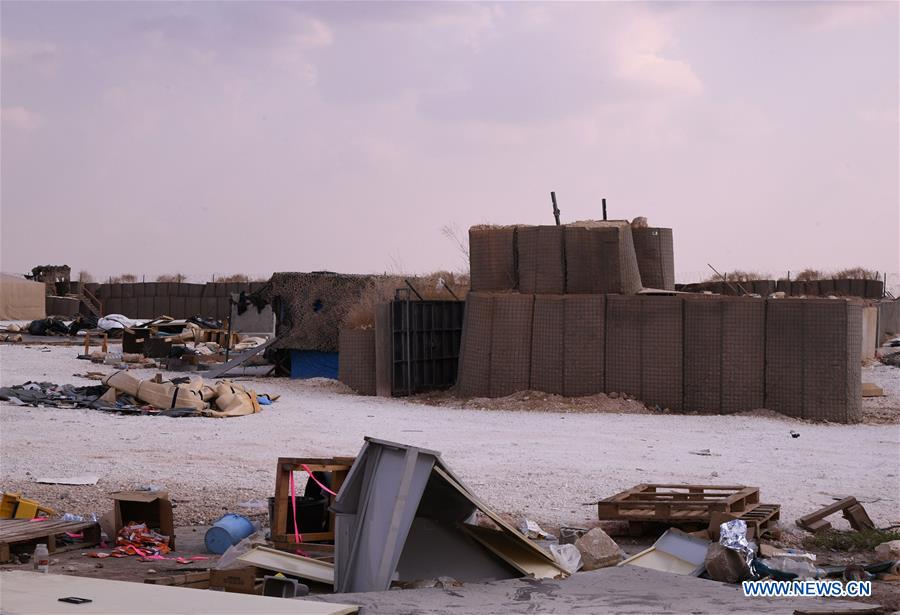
(512, 552)
(287, 563)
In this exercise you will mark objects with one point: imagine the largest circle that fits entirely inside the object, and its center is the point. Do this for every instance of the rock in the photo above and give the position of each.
(888, 550)
(725, 565)
(598, 550)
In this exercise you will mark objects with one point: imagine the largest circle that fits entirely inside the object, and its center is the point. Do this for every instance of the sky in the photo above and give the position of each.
(213, 138)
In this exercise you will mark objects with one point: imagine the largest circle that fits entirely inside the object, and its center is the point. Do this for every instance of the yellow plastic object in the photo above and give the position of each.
(27, 509)
(8, 505)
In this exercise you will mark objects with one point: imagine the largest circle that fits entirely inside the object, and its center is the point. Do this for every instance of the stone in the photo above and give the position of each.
(888, 550)
(598, 550)
(726, 565)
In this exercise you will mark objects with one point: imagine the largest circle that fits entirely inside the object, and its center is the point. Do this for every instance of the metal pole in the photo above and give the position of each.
(555, 208)
(604, 209)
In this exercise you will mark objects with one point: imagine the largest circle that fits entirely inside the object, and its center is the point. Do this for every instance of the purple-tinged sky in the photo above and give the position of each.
(256, 137)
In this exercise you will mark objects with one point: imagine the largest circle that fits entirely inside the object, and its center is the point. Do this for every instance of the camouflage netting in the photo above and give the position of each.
(311, 307)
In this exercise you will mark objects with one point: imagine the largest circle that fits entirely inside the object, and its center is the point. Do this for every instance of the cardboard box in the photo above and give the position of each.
(150, 507)
(240, 580)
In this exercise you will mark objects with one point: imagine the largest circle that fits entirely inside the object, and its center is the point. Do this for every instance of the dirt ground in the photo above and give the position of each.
(549, 466)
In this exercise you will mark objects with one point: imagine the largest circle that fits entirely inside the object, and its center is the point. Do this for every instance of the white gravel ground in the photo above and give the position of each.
(548, 466)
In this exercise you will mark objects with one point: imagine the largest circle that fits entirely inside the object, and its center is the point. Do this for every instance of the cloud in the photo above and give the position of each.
(26, 51)
(838, 15)
(21, 118)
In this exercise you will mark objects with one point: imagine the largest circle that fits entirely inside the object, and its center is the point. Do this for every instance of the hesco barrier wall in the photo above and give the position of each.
(540, 254)
(356, 360)
(178, 300)
(582, 258)
(799, 357)
(864, 289)
(724, 354)
(644, 348)
(813, 351)
(510, 344)
(655, 250)
(601, 260)
(474, 378)
(492, 257)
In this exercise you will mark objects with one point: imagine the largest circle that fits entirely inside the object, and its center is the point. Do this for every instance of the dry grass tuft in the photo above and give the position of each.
(172, 277)
(361, 315)
(855, 273)
(809, 275)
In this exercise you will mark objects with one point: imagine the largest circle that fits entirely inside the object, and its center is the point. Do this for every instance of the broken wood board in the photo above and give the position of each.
(871, 390)
(25, 593)
(288, 563)
(547, 570)
(852, 510)
(512, 551)
(86, 479)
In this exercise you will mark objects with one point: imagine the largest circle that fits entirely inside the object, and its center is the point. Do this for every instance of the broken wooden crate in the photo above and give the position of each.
(23, 535)
(676, 504)
(335, 469)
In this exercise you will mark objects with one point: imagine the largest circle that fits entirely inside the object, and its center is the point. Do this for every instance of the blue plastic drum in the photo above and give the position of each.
(227, 531)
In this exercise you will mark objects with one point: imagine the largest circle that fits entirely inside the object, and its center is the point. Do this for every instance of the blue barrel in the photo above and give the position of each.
(228, 530)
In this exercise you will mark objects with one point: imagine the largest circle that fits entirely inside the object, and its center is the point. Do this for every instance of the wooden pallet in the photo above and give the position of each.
(676, 504)
(759, 520)
(22, 535)
(336, 466)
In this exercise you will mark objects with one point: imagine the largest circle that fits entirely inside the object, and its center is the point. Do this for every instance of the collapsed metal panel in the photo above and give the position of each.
(374, 512)
(426, 338)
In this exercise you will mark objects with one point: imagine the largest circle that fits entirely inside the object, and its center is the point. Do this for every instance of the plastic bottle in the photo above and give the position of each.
(41, 558)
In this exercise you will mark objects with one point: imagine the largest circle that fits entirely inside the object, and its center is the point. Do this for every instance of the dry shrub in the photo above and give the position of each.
(85, 277)
(432, 286)
(855, 273)
(739, 276)
(235, 277)
(808, 275)
(125, 278)
(172, 277)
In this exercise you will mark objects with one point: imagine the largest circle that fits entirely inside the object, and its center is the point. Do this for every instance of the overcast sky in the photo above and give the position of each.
(228, 137)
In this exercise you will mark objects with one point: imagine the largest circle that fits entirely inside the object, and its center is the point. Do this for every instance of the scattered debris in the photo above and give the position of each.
(888, 550)
(598, 550)
(289, 563)
(87, 479)
(871, 390)
(674, 552)
(532, 530)
(567, 556)
(725, 565)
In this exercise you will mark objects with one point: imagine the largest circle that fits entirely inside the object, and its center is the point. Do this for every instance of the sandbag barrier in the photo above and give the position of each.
(224, 399)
